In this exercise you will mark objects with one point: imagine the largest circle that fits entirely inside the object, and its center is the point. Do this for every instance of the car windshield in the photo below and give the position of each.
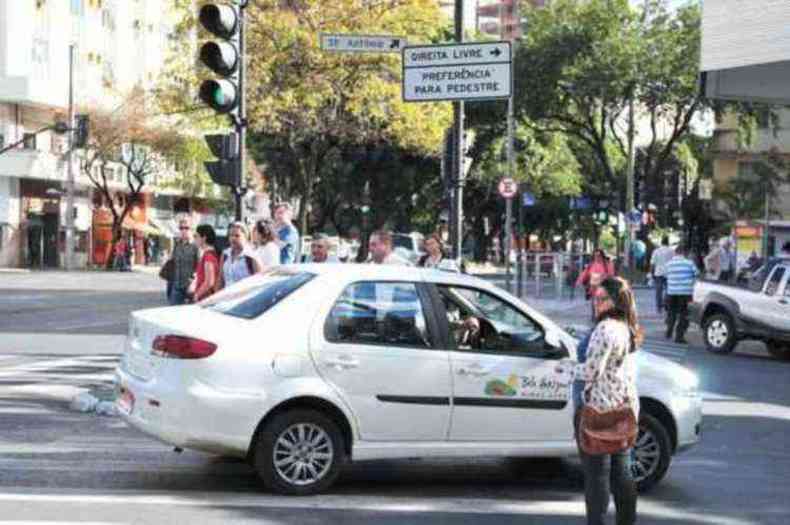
(252, 299)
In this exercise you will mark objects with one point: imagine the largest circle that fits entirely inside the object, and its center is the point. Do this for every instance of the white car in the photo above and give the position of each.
(306, 367)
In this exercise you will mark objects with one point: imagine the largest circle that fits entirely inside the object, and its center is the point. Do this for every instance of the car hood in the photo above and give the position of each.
(664, 371)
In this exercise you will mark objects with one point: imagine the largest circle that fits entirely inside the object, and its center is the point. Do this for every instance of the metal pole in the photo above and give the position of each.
(458, 125)
(766, 223)
(508, 241)
(242, 128)
(629, 181)
(69, 252)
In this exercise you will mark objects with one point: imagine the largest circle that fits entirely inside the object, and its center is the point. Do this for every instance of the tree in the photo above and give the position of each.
(127, 139)
(304, 103)
(581, 64)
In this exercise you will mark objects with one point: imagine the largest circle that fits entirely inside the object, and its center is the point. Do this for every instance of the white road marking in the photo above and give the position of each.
(647, 509)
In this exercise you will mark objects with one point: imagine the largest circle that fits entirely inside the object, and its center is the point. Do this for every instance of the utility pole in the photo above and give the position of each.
(457, 219)
(69, 248)
(511, 161)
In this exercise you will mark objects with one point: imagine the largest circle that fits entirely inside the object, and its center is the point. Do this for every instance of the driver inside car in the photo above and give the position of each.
(465, 328)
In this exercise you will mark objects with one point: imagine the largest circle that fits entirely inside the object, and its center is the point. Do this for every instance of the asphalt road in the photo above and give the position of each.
(61, 334)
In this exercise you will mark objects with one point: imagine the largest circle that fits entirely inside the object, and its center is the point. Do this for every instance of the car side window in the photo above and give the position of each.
(481, 321)
(378, 313)
(772, 285)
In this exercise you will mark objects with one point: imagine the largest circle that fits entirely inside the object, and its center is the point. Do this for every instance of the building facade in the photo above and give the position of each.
(119, 45)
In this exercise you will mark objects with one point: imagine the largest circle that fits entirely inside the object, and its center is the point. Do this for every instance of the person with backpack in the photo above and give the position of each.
(237, 261)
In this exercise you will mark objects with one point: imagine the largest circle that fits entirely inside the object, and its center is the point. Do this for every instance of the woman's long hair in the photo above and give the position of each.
(266, 232)
(623, 308)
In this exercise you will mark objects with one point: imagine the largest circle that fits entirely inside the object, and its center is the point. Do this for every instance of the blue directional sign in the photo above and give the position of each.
(581, 203)
(527, 199)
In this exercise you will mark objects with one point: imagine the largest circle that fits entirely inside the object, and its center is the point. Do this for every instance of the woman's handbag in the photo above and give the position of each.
(607, 432)
(167, 270)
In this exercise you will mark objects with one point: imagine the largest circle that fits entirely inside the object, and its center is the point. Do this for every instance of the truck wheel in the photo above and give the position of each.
(779, 350)
(651, 454)
(299, 453)
(719, 334)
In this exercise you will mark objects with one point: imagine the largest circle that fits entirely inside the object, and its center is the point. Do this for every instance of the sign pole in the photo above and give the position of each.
(458, 157)
(508, 240)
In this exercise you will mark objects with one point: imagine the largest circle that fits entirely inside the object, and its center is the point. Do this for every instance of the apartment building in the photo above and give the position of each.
(732, 162)
(497, 18)
(119, 44)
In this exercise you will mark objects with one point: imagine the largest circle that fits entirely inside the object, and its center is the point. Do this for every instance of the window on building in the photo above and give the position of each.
(77, 7)
(29, 141)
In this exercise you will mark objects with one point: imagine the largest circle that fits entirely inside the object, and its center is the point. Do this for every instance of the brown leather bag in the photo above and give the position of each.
(607, 432)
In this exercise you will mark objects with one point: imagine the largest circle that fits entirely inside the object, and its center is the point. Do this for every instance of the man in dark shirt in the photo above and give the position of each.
(185, 259)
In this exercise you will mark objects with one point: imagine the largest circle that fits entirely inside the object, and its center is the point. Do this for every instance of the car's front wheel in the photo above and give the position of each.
(779, 350)
(719, 334)
(299, 453)
(651, 454)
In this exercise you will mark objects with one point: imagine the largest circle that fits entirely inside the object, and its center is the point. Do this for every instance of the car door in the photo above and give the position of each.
(504, 384)
(775, 307)
(380, 353)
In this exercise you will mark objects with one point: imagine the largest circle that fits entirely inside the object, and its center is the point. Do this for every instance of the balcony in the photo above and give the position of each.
(30, 164)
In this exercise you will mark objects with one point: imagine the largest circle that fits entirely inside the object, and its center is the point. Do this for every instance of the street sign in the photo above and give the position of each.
(478, 71)
(362, 43)
(634, 217)
(581, 203)
(527, 199)
(508, 188)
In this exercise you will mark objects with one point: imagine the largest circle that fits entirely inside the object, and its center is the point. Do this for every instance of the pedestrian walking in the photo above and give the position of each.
(185, 259)
(572, 276)
(319, 250)
(237, 261)
(380, 248)
(287, 234)
(681, 274)
(119, 256)
(266, 250)
(658, 262)
(608, 376)
(599, 268)
(207, 273)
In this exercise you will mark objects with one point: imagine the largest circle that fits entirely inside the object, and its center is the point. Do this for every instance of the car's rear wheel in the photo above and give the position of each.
(299, 453)
(651, 454)
(779, 350)
(719, 334)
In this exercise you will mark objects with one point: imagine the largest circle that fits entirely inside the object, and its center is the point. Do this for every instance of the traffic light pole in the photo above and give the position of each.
(241, 123)
(458, 157)
(69, 248)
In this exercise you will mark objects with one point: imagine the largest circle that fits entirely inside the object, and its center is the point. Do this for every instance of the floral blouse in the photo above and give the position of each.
(609, 372)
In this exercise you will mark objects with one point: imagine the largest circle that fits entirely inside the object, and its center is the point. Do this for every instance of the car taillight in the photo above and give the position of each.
(180, 347)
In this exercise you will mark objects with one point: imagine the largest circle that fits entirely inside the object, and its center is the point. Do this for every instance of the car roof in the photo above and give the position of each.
(388, 272)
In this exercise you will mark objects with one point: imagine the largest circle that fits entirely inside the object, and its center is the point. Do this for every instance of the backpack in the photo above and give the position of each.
(247, 259)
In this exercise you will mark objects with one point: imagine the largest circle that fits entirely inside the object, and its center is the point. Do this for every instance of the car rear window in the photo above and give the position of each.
(250, 302)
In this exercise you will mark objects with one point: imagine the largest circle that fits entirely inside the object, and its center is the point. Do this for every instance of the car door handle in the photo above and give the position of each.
(474, 370)
(342, 362)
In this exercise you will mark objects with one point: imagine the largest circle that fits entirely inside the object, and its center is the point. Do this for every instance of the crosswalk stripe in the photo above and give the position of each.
(575, 507)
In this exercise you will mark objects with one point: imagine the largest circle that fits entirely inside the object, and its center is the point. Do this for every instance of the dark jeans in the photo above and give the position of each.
(678, 313)
(605, 474)
(177, 296)
(725, 276)
(661, 288)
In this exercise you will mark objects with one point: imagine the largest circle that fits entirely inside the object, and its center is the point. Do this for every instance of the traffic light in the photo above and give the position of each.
(223, 58)
(81, 131)
(227, 170)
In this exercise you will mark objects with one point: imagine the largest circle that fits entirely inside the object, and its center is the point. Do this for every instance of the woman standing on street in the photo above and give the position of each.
(207, 274)
(433, 252)
(609, 377)
(599, 269)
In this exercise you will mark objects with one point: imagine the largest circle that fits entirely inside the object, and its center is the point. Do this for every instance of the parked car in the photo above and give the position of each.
(408, 245)
(758, 310)
(306, 367)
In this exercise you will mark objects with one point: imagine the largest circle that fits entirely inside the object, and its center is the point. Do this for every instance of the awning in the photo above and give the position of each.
(131, 224)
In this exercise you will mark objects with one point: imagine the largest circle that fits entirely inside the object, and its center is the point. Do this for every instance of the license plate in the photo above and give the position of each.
(126, 401)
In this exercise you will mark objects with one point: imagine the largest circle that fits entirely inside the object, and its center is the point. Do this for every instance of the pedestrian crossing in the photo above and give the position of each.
(54, 377)
(674, 351)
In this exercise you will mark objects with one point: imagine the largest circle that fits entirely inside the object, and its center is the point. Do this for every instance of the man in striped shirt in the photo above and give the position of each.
(680, 273)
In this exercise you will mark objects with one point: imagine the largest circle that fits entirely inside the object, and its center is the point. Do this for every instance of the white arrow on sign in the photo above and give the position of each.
(363, 43)
(480, 70)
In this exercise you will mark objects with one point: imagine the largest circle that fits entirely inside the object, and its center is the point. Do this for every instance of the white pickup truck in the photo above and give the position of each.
(731, 313)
